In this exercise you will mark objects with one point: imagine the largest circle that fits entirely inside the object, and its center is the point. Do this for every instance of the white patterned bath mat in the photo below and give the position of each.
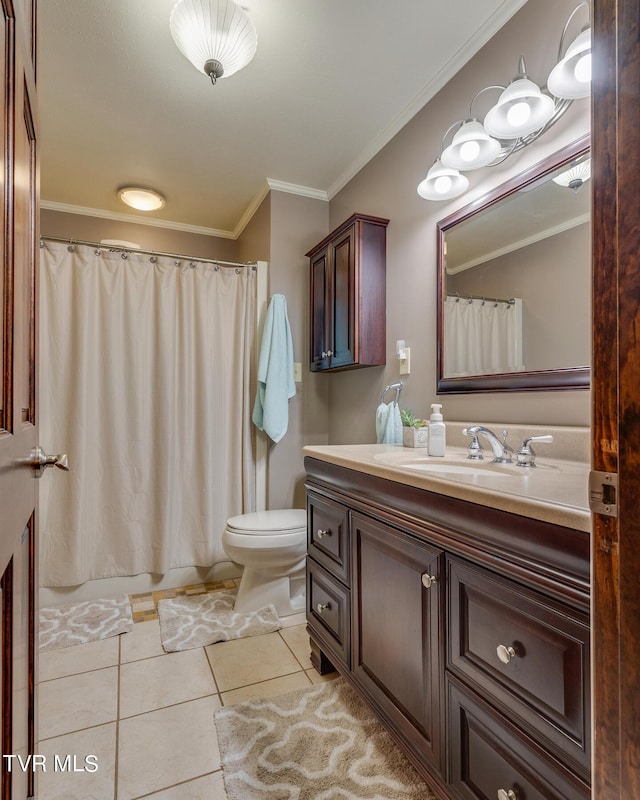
(320, 742)
(203, 619)
(84, 622)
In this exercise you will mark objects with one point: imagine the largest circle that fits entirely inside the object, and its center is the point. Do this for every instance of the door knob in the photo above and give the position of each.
(39, 460)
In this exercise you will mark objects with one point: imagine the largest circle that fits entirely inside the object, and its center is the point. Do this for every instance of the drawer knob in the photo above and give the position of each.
(505, 654)
(428, 580)
(320, 534)
(323, 607)
(507, 794)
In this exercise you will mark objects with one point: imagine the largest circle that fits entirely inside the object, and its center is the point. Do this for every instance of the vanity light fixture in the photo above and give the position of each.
(216, 36)
(522, 113)
(141, 198)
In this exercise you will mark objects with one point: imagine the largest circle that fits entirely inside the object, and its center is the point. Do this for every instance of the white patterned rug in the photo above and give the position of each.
(320, 743)
(203, 619)
(80, 623)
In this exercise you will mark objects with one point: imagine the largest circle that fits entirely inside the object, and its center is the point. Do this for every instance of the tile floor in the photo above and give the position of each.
(147, 715)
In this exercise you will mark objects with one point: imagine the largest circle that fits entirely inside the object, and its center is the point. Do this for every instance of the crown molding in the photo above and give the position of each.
(120, 217)
(294, 188)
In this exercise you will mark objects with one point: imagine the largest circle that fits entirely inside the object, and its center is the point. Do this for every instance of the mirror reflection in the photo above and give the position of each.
(515, 283)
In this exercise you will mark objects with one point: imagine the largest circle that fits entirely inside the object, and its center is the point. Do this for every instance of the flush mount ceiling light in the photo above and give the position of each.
(575, 176)
(522, 113)
(140, 198)
(216, 36)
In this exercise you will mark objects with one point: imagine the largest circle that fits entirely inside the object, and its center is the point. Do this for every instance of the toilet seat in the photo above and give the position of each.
(283, 522)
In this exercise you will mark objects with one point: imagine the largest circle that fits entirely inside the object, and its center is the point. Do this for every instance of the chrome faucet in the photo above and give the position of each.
(502, 453)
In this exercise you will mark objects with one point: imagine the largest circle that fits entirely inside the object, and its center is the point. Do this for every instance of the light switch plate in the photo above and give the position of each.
(297, 372)
(405, 363)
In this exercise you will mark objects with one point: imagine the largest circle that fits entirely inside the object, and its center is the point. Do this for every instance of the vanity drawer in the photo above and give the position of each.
(489, 759)
(328, 535)
(328, 612)
(526, 654)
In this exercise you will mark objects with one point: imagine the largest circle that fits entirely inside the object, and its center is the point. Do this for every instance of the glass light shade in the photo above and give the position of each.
(575, 176)
(141, 199)
(471, 147)
(570, 79)
(213, 31)
(521, 109)
(442, 183)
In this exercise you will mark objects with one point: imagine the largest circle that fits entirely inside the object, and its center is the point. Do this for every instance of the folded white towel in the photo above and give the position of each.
(275, 372)
(388, 423)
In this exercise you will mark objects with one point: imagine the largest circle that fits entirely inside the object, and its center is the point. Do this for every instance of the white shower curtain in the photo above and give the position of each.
(144, 382)
(481, 337)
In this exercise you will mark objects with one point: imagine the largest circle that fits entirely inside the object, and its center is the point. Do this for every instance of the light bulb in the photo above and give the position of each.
(518, 114)
(469, 151)
(442, 184)
(582, 69)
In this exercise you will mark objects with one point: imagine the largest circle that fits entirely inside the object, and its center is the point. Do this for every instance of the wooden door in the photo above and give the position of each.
(397, 631)
(318, 333)
(343, 303)
(18, 417)
(616, 397)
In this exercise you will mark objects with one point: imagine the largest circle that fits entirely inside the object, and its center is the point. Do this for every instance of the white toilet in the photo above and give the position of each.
(272, 547)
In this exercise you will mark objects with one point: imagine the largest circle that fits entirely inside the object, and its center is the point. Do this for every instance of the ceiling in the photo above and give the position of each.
(332, 81)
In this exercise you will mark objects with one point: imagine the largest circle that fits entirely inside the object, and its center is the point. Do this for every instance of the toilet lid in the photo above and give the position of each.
(266, 522)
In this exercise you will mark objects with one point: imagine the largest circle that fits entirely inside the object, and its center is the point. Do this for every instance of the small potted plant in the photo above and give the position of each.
(415, 431)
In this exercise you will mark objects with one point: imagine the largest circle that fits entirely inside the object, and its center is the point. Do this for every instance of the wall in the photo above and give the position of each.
(283, 229)
(149, 237)
(386, 187)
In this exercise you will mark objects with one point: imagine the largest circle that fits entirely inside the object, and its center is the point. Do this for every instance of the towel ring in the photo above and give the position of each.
(397, 386)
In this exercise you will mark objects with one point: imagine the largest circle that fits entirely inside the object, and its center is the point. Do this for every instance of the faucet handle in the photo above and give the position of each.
(526, 456)
(474, 450)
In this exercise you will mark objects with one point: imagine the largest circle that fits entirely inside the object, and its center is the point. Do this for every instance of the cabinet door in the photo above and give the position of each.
(342, 334)
(320, 292)
(396, 619)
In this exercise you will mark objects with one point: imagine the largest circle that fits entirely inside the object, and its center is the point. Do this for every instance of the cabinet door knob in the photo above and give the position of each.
(320, 533)
(329, 353)
(323, 607)
(428, 580)
(324, 355)
(505, 654)
(507, 794)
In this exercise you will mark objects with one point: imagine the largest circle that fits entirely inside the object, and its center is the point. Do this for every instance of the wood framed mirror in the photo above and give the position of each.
(514, 272)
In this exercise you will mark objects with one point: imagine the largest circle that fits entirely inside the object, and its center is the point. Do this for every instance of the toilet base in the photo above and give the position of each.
(287, 593)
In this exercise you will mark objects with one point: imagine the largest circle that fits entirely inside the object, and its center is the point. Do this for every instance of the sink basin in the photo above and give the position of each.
(450, 467)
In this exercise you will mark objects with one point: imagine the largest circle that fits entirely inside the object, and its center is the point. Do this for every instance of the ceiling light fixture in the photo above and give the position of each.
(141, 198)
(522, 113)
(216, 36)
(575, 176)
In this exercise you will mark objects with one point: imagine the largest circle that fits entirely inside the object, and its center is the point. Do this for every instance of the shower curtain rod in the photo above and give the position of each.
(150, 252)
(478, 297)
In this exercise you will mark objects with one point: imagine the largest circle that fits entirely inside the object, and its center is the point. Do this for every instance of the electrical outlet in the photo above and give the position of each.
(297, 372)
(405, 363)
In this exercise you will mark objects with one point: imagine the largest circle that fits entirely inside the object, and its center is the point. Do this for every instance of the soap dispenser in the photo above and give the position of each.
(437, 431)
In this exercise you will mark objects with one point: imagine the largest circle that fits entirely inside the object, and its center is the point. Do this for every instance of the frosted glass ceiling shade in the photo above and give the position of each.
(442, 183)
(575, 176)
(216, 36)
(471, 147)
(141, 198)
(570, 79)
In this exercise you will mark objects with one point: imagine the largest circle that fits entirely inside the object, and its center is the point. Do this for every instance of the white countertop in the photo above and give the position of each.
(554, 491)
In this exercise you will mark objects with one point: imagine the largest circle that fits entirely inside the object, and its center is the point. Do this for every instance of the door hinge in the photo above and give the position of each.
(603, 493)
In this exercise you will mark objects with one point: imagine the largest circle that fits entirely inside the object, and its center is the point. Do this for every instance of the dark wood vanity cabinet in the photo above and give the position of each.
(348, 296)
(466, 629)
